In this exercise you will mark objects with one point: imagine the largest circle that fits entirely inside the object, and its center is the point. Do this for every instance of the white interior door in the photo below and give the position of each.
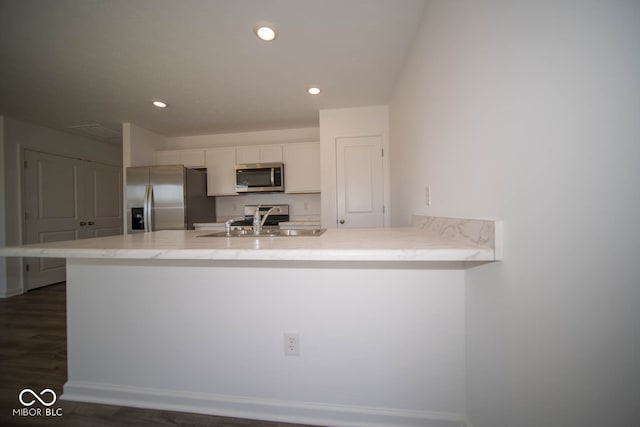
(66, 199)
(360, 181)
(102, 200)
(51, 190)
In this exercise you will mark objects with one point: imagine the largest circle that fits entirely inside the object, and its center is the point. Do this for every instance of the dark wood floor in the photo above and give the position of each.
(33, 352)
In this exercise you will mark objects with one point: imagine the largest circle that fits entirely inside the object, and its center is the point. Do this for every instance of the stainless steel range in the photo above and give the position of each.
(278, 215)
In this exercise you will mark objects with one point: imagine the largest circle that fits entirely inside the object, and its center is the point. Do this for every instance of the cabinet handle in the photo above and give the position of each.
(82, 223)
(91, 222)
(342, 221)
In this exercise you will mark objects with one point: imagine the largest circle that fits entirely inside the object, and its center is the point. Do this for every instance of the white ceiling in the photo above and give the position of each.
(73, 62)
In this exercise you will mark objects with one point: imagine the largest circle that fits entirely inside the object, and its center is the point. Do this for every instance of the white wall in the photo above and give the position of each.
(139, 146)
(530, 112)
(348, 122)
(375, 348)
(19, 135)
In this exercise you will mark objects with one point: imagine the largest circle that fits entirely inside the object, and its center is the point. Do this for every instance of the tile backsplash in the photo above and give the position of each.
(301, 206)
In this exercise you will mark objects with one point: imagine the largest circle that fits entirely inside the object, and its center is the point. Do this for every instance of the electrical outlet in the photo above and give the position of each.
(291, 344)
(427, 195)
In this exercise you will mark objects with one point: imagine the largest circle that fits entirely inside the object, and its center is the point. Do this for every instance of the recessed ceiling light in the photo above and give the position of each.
(159, 103)
(265, 31)
(313, 90)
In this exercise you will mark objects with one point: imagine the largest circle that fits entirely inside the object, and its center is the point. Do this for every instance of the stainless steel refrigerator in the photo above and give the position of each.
(167, 198)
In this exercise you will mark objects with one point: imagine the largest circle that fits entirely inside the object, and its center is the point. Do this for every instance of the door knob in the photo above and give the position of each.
(82, 223)
(342, 221)
(91, 222)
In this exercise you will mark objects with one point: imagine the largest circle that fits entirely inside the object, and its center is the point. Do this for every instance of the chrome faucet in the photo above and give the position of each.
(227, 226)
(257, 227)
(257, 223)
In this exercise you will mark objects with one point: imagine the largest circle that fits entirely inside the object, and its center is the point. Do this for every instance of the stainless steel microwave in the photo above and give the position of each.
(259, 177)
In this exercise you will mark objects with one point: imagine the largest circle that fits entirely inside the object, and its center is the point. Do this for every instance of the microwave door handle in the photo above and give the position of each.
(273, 180)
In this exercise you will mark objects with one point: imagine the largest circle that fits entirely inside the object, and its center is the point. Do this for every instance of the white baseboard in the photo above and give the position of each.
(261, 409)
(11, 293)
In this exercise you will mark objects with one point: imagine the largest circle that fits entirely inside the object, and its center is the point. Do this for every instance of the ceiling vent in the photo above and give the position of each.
(96, 130)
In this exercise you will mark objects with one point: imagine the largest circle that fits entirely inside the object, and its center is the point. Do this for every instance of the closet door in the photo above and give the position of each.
(52, 190)
(66, 199)
(102, 200)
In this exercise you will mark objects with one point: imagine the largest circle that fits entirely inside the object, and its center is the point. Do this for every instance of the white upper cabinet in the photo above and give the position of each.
(189, 158)
(270, 153)
(259, 154)
(167, 157)
(221, 172)
(302, 167)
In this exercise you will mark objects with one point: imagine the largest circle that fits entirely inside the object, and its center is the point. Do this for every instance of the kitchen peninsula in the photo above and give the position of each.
(172, 320)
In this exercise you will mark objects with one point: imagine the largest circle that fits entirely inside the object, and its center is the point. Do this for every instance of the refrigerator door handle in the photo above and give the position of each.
(148, 195)
(150, 207)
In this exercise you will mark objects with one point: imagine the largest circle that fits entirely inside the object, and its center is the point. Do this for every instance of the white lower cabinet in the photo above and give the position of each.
(302, 167)
(221, 173)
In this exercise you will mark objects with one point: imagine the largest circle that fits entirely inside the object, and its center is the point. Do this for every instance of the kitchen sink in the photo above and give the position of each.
(270, 233)
(242, 233)
(302, 232)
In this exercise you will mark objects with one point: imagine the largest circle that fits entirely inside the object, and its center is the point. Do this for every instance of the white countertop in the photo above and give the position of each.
(379, 244)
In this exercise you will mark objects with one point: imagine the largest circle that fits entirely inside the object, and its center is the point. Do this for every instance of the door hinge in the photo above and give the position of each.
(26, 267)
(382, 149)
(25, 164)
(26, 216)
